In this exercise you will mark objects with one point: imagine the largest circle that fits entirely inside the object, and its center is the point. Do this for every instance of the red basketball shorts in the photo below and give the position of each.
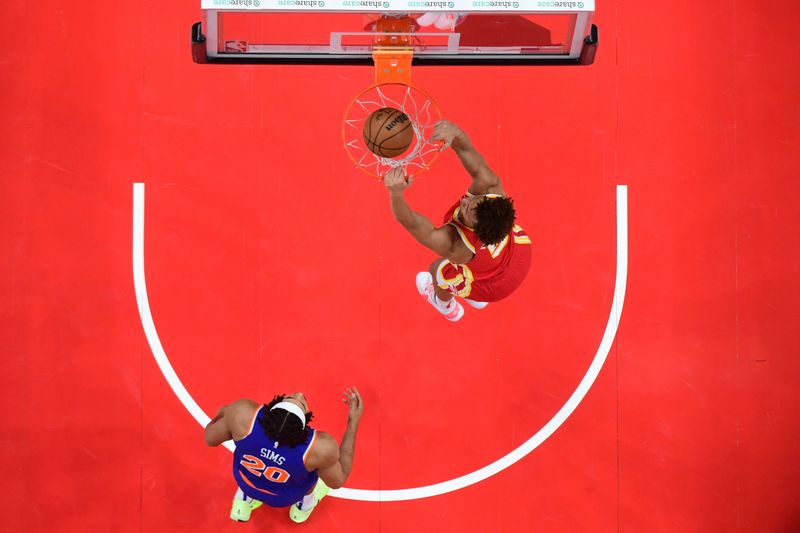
(459, 280)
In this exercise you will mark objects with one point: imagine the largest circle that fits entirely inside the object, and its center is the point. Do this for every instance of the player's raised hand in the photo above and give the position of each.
(445, 132)
(395, 180)
(353, 400)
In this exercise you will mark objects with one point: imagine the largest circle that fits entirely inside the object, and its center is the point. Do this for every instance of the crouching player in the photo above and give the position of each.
(279, 459)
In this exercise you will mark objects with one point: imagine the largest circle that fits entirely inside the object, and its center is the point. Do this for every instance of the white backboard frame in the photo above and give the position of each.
(582, 31)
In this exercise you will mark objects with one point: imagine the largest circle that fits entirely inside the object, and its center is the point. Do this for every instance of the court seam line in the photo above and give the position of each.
(620, 285)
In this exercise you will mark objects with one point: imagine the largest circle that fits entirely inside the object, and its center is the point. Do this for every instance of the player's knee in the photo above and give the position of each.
(435, 267)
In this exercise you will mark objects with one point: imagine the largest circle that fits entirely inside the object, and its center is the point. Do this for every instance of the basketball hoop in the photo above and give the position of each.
(392, 52)
(420, 108)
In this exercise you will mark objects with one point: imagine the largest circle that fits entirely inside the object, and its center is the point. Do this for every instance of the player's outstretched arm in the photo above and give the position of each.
(336, 463)
(443, 241)
(484, 180)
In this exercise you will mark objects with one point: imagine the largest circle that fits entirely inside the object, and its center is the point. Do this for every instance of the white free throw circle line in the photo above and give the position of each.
(415, 492)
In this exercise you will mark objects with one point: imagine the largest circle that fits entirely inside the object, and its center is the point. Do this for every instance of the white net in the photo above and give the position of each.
(420, 108)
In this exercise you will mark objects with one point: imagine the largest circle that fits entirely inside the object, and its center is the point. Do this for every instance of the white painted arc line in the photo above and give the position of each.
(560, 417)
(140, 288)
(429, 490)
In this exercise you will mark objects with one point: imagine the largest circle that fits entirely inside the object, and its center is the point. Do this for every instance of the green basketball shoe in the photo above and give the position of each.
(320, 491)
(241, 509)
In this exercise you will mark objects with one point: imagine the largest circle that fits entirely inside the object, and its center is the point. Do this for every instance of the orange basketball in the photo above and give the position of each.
(388, 132)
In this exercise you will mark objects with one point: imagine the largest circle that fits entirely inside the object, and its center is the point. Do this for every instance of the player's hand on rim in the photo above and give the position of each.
(445, 133)
(395, 180)
(353, 400)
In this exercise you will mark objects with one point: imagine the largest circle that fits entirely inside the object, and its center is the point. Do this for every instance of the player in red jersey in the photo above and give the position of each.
(484, 255)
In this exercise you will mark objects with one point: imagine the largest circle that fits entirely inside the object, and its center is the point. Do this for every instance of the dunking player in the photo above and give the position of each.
(484, 256)
(280, 460)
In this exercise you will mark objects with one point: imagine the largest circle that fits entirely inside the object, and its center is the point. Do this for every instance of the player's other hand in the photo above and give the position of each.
(395, 180)
(445, 132)
(353, 400)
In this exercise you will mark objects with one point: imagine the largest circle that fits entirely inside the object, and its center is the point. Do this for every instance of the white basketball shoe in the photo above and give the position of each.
(453, 311)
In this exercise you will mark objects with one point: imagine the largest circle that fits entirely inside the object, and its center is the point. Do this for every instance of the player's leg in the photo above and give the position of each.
(300, 511)
(455, 281)
(438, 293)
(243, 506)
(442, 295)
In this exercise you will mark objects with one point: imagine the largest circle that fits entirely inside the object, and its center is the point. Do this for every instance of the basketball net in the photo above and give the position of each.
(392, 53)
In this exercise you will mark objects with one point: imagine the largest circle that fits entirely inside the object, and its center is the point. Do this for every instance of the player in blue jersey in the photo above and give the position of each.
(279, 459)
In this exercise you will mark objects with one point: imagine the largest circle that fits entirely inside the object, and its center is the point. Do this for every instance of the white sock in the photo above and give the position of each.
(308, 502)
(240, 496)
(443, 304)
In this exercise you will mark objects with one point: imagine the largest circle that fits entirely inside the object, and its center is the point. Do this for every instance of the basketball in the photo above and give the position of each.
(388, 132)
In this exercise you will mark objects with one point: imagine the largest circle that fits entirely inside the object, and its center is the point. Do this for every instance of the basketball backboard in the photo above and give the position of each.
(456, 32)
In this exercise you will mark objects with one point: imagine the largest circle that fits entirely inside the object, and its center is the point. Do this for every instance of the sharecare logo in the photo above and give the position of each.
(245, 3)
(495, 3)
(301, 3)
(365, 3)
(430, 3)
(557, 3)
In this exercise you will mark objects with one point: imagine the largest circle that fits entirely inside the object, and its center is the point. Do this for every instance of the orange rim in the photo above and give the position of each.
(420, 161)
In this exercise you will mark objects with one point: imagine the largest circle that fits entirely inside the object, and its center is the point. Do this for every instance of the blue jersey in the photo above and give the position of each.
(275, 475)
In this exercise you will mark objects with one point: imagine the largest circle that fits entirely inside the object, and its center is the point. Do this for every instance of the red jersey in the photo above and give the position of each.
(491, 261)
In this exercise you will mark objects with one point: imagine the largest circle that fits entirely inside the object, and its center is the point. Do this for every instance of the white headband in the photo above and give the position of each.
(292, 408)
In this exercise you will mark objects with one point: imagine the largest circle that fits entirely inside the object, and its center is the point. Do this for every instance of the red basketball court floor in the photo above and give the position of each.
(272, 265)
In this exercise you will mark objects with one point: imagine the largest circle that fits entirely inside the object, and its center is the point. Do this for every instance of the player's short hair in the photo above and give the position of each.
(284, 427)
(494, 219)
